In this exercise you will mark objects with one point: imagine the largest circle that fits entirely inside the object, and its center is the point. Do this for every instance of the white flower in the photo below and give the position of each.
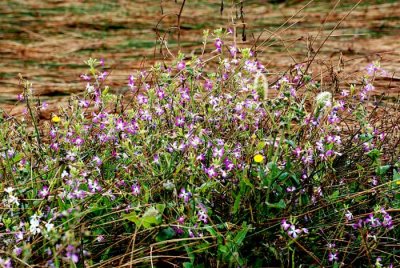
(9, 190)
(34, 224)
(323, 99)
(49, 226)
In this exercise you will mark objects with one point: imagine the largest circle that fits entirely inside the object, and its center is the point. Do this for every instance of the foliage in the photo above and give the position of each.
(202, 166)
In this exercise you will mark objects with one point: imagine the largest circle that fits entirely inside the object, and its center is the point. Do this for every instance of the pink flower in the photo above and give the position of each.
(332, 257)
(285, 225)
(44, 192)
(181, 65)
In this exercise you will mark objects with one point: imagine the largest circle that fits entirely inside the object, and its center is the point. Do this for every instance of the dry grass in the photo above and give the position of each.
(47, 41)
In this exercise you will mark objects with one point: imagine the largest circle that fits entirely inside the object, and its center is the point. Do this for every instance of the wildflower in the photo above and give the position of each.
(72, 254)
(293, 232)
(374, 222)
(83, 103)
(218, 45)
(97, 160)
(49, 226)
(185, 195)
(285, 225)
(142, 99)
(56, 119)
(233, 51)
(211, 172)
(181, 65)
(44, 192)
(323, 99)
(34, 224)
(332, 257)
(349, 215)
(79, 141)
(258, 158)
(228, 164)
(17, 250)
(179, 121)
(93, 186)
(20, 97)
(358, 225)
(218, 152)
(100, 238)
(85, 77)
(202, 214)
(102, 76)
(135, 189)
(181, 220)
(297, 152)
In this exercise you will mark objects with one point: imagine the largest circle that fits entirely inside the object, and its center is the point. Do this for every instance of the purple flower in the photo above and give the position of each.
(218, 152)
(228, 164)
(297, 152)
(181, 220)
(120, 125)
(181, 65)
(135, 189)
(97, 160)
(374, 222)
(358, 225)
(208, 85)
(202, 214)
(142, 99)
(179, 121)
(349, 215)
(71, 254)
(85, 77)
(285, 225)
(332, 256)
(20, 97)
(54, 146)
(44, 192)
(102, 76)
(78, 141)
(218, 44)
(233, 51)
(211, 173)
(293, 232)
(185, 195)
(94, 186)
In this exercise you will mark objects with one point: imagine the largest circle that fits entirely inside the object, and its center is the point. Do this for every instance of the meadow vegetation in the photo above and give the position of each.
(203, 162)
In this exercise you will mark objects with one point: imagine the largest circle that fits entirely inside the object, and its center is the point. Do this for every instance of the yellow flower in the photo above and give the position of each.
(56, 119)
(258, 158)
(398, 182)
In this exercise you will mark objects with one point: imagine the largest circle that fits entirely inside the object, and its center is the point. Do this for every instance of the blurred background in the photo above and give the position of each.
(48, 41)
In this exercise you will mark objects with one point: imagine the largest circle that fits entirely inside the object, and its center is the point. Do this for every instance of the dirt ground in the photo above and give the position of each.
(48, 41)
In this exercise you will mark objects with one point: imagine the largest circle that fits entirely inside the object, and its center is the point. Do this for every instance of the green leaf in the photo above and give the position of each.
(241, 235)
(187, 265)
(382, 169)
(261, 145)
(281, 204)
(165, 234)
(151, 217)
(223, 249)
(132, 217)
(237, 203)
(334, 195)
